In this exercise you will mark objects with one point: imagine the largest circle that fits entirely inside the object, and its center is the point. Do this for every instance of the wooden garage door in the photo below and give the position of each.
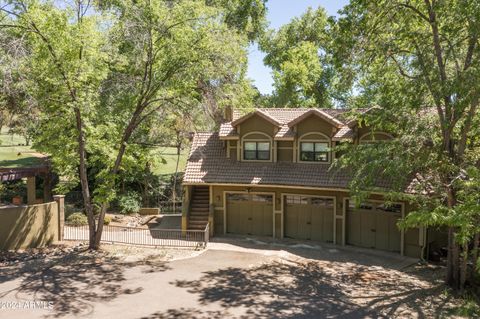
(250, 214)
(309, 218)
(373, 225)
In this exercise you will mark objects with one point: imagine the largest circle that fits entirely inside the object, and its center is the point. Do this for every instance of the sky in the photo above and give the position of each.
(280, 12)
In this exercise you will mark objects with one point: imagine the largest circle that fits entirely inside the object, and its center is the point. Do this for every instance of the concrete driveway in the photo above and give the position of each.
(234, 278)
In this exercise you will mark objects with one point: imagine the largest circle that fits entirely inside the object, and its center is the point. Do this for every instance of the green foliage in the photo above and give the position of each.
(77, 219)
(417, 63)
(124, 59)
(303, 68)
(107, 220)
(129, 203)
(246, 16)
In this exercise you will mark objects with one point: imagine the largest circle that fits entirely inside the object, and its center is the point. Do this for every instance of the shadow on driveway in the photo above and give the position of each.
(277, 289)
(72, 281)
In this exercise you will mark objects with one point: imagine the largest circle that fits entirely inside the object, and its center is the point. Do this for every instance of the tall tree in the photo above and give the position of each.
(300, 55)
(101, 73)
(419, 61)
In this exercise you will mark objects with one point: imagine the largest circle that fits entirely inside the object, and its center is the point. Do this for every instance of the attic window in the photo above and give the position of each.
(259, 151)
(314, 151)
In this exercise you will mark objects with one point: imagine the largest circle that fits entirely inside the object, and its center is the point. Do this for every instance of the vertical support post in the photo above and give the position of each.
(31, 191)
(185, 207)
(275, 151)
(211, 209)
(60, 199)
(47, 187)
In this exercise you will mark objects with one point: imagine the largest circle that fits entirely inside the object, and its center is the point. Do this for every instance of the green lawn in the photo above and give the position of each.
(169, 154)
(14, 155)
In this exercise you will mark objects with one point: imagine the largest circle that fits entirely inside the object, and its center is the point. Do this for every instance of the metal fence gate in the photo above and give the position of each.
(143, 236)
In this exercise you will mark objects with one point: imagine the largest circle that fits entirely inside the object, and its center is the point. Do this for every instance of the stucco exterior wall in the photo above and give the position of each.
(29, 226)
(315, 124)
(256, 124)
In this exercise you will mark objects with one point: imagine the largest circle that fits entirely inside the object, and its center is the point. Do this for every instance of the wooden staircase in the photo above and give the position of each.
(199, 208)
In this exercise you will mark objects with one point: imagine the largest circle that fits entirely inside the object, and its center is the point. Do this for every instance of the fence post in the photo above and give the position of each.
(60, 199)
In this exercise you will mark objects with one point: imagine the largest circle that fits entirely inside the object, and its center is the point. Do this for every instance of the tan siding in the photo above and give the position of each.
(412, 247)
(284, 155)
(338, 237)
(278, 225)
(218, 222)
(257, 124)
(315, 124)
(283, 144)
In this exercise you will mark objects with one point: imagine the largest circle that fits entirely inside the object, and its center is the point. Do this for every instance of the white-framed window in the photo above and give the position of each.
(256, 151)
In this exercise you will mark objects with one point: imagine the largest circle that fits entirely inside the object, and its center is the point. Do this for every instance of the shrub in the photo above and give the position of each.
(107, 220)
(77, 219)
(129, 203)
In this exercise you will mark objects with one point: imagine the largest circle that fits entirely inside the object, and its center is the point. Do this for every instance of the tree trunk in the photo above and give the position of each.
(87, 203)
(450, 269)
(476, 244)
(463, 267)
(133, 123)
(453, 257)
(174, 187)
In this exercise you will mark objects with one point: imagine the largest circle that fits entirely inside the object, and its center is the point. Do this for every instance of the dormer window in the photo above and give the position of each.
(314, 151)
(256, 151)
(314, 148)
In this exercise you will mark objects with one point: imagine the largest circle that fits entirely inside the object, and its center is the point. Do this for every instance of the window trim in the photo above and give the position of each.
(245, 139)
(321, 138)
(314, 151)
(257, 158)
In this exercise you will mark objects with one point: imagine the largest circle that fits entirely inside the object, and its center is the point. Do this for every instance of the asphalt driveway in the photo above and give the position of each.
(233, 279)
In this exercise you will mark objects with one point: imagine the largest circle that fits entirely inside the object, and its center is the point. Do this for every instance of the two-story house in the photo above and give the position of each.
(267, 173)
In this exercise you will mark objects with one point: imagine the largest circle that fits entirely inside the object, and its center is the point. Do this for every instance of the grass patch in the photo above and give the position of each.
(17, 156)
(13, 154)
(9, 139)
(166, 160)
(469, 308)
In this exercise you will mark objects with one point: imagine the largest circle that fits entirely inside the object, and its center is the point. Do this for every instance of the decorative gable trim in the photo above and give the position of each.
(323, 115)
(260, 113)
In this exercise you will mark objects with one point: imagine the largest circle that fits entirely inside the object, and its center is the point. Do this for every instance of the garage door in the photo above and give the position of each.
(309, 218)
(373, 225)
(250, 214)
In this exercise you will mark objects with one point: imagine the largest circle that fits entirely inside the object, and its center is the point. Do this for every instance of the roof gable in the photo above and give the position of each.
(319, 113)
(260, 113)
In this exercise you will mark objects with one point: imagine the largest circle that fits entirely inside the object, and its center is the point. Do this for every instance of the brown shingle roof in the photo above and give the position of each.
(227, 130)
(344, 133)
(286, 115)
(207, 163)
(285, 132)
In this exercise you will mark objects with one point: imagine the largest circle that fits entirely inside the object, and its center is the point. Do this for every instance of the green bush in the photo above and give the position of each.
(107, 220)
(129, 203)
(77, 219)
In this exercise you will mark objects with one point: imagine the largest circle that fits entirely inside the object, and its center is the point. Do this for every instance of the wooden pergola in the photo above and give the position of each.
(30, 173)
